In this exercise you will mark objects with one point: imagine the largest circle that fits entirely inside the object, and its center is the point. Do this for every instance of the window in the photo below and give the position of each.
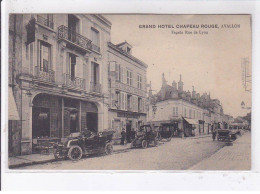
(128, 50)
(44, 56)
(95, 73)
(175, 111)
(72, 65)
(190, 113)
(45, 19)
(73, 27)
(185, 112)
(140, 106)
(139, 81)
(129, 102)
(194, 114)
(119, 70)
(95, 36)
(118, 99)
(129, 77)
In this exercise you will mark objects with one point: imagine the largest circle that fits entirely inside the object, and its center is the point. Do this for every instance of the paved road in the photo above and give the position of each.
(236, 157)
(179, 154)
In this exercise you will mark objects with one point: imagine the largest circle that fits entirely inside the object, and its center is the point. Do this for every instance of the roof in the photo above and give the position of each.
(116, 48)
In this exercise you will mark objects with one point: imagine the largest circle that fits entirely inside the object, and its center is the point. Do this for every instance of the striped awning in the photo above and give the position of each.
(12, 108)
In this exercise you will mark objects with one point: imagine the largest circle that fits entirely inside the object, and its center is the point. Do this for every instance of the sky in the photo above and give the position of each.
(211, 62)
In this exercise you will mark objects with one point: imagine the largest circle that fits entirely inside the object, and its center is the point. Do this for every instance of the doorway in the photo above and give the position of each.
(40, 122)
(72, 27)
(128, 131)
(92, 121)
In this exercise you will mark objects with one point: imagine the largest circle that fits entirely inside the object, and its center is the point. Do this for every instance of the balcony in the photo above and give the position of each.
(44, 21)
(95, 87)
(74, 39)
(44, 75)
(74, 82)
(95, 48)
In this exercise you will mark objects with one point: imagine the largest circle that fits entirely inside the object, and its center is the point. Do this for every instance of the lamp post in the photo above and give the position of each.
(154, 107)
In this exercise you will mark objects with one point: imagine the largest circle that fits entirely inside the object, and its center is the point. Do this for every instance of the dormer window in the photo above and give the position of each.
(128, 50)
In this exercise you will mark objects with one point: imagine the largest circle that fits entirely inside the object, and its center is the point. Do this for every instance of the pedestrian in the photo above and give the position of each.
(123, 136)
(133, 132)
(214, 133)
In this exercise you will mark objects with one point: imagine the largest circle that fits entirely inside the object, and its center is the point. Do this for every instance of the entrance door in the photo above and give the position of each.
(128, 131)
(40, 122)
(92, 121)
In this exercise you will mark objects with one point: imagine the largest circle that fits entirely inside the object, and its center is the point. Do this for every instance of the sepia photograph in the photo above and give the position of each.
(129, 92)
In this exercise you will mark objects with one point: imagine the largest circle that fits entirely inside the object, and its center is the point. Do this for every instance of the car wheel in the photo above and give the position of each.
(144, 144)
(57, 155)
(75, 153)
(108, 148)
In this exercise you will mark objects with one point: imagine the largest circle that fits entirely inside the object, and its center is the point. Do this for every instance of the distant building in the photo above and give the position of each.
(190, 111)
(127, 88)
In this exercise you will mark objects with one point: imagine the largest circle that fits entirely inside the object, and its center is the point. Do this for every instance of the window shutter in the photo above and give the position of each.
(122, 74)
(125, 104)
(117, 71)
(122, 101)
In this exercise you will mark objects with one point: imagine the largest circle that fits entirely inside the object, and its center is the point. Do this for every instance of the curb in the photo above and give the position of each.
(198, 137)
(31, 163)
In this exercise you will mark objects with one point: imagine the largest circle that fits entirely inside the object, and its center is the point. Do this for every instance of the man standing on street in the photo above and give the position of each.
(123, 135)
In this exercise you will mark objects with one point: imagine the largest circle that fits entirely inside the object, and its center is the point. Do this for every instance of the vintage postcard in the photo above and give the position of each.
(129, 92)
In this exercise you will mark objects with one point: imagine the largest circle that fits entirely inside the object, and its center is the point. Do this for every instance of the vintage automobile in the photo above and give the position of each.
(226, 135)
(165, 132)
(145, 136)
(84, 143)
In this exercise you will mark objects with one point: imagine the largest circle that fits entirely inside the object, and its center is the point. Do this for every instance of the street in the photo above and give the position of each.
(236, 157)
(178, 154)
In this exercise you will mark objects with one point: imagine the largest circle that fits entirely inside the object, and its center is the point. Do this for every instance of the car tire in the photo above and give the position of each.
(109, 148)
(144, 144)
(75, 153)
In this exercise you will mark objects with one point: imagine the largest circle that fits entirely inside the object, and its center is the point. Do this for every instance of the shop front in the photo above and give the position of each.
(126, 120)
(191, 127)
(55, 118)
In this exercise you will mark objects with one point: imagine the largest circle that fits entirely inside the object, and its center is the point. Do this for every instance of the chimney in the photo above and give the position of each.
(180, 85)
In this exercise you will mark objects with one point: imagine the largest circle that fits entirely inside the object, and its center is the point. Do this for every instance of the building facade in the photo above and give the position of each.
(188, 111)
(127, 88)
(58, 76)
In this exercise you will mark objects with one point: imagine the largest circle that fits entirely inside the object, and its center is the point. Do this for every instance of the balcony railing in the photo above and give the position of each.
(95, 48)
(45, 21)
(95, 87)
(44, 75)
(71, 36)
(74, 82)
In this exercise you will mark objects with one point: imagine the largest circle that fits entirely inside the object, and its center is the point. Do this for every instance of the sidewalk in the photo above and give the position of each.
(236, 157)
(26, 160)
(198, 136)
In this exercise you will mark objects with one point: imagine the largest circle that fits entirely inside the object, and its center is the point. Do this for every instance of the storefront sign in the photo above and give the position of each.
(128, 115)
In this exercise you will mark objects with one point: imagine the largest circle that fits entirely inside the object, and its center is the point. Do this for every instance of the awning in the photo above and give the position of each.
(12, 108)
(192, 121)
